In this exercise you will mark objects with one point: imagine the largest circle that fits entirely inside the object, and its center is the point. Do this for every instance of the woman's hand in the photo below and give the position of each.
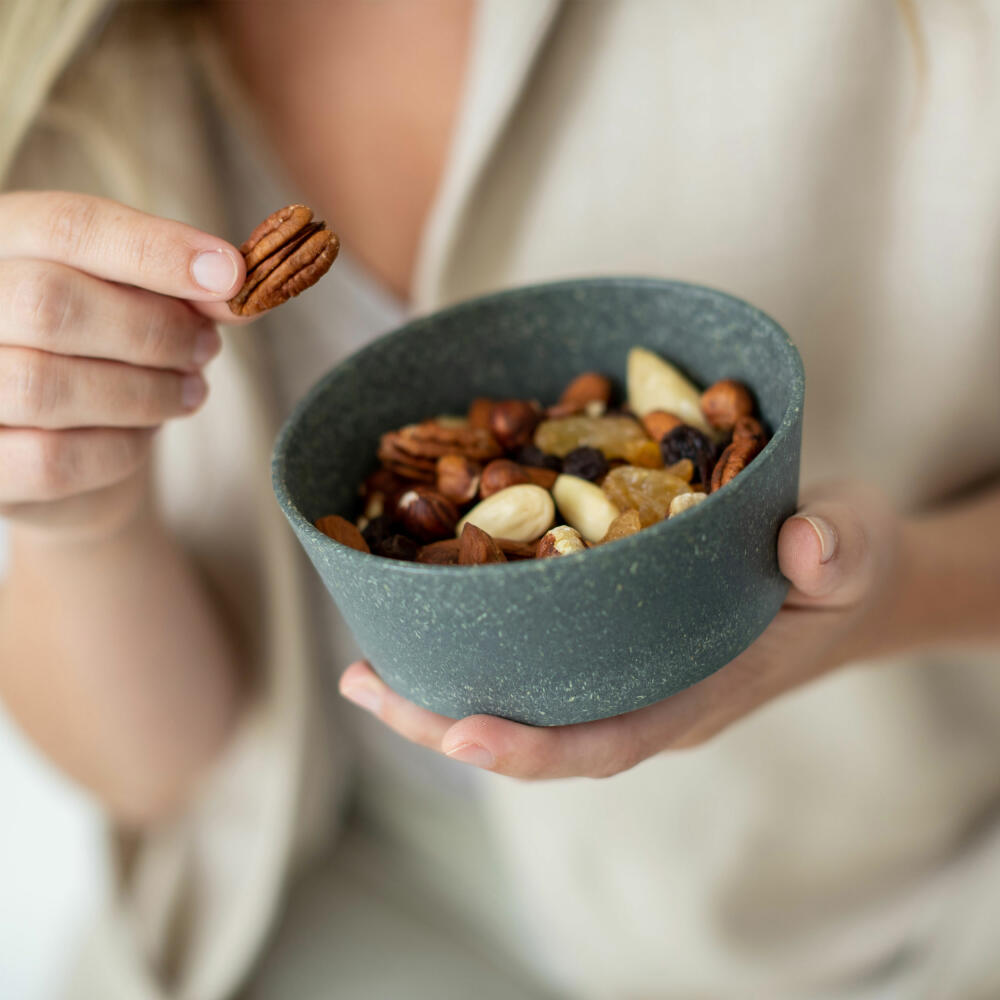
(844, 555)
(108, 319)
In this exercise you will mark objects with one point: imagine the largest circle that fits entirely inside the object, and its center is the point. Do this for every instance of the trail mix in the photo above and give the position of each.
(515, 480)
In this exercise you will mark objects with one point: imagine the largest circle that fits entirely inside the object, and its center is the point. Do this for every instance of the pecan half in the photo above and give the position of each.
(734, 459)
(413, 451)
(286, 254)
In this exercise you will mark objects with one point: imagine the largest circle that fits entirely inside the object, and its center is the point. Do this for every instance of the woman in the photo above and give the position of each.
(162, 641)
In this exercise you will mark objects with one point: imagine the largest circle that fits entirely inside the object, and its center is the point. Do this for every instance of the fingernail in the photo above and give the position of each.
(472, 753)
(206, 345)
(366, 697)
(193, 390)
(215, 271)
(825, 533)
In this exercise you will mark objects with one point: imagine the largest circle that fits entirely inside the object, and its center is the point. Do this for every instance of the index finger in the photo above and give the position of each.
(117, 243)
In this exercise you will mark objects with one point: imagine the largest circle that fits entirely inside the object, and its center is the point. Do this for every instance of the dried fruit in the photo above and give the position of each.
(584, 506)
(688, 442)
(561, 540)
(644, 453)
(659, 423)
(649, 491)
(286, 254)
(608, 434)
(377, 531)
(341, 530)
(458, 478)
(398, 547)
(425, 514)
(522, 513)
(513, 421)
(476, 547)
(625, 524)
(685, 501)
(654, 384)
(587, 463)
(536, 458)
(724, 402)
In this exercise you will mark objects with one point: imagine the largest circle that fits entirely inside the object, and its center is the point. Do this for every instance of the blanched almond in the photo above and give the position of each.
(654, 384)
(522, 513)
(584, 506)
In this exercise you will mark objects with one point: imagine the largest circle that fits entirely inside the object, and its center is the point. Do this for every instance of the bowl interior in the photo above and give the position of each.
(526, 343)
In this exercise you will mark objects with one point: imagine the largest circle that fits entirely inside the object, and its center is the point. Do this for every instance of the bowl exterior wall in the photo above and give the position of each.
(582, 637)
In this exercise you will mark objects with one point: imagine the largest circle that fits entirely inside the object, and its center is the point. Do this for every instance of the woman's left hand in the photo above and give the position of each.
(844, 556)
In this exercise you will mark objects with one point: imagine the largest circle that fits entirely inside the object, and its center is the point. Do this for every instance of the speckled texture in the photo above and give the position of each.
(584, 636)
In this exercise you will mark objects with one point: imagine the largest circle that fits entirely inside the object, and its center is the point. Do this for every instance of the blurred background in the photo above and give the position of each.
(50, 864)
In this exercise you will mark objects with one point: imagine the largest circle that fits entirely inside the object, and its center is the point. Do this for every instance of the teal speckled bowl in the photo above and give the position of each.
(579, 637)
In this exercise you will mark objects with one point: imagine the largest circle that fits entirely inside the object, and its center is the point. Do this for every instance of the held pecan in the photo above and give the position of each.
(413, 451)
(286, 254)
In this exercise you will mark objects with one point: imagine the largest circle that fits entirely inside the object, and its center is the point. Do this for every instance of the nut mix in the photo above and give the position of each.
(514, 480)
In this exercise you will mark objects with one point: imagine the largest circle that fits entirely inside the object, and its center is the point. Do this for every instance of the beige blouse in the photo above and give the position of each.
(842, 174)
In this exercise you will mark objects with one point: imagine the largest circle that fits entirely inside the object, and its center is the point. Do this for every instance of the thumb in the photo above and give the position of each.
(837, 546)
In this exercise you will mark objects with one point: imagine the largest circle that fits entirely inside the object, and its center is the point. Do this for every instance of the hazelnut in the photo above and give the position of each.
(499, 474)
(476, 547)
(425, 514)
(559, 541)
(513, 422)
(659, 423)
(724, 402)
(458, 478)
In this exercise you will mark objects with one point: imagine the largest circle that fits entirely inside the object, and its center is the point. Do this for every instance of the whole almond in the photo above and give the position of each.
(341, 530)
(476, 547)
(443, 553)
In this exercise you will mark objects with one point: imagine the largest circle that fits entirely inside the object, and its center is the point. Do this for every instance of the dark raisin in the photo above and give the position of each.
(535, 457)
(399, 547)
(377, 531)
(686, 441)
(587, 463)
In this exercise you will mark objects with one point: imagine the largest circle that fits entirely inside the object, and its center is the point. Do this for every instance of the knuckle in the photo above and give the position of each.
(72, 224)
(147, 253)
(42, 302)
(51, 468)
(35, 387)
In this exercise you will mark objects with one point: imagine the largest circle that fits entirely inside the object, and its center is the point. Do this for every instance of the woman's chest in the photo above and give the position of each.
(358, 101)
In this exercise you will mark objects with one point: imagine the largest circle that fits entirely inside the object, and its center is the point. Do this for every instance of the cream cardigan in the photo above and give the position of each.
(790, 154)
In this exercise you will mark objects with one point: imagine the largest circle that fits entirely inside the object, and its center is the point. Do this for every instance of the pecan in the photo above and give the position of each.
(286, 254)
(413, 451)
(733, 460)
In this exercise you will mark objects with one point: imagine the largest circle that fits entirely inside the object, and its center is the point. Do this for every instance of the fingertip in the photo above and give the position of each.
(807, 545)
(219, 271)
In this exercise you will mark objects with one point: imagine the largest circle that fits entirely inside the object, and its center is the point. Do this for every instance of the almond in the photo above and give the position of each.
(585, 506)
(476, 547)
(341, 530)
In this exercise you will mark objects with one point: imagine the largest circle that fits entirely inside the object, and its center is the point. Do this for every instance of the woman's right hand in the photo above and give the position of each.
(108, 318)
